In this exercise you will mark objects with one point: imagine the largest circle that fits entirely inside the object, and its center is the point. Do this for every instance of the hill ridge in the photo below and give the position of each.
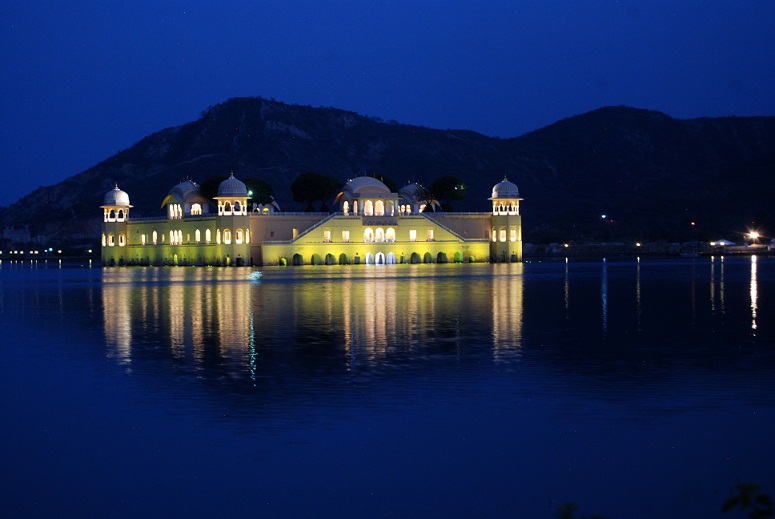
(654, 173)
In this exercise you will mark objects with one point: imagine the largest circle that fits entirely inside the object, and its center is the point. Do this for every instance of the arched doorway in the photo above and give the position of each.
(427, 258)
(379, 259)
(391, 258)
(441, 257)
(298, 260)
(414, 258)
(343, 259)
(369, 258)
(330, 260)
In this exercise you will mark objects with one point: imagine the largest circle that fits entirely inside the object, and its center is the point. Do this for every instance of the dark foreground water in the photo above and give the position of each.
(632, 388)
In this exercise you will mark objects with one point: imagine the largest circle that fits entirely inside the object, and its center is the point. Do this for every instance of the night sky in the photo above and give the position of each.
(84, 80)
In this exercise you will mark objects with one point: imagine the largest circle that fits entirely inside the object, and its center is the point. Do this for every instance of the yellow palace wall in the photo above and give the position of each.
(138, 247)
(360, 239)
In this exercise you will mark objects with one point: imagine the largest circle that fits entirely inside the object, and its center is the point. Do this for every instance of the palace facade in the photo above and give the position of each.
(372, 226)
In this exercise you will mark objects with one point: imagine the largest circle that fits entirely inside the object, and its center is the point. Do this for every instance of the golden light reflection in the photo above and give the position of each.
(218, 319)
(507, 312)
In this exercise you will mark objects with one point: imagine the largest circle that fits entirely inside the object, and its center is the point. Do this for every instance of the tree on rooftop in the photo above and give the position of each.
(447, 189)
(310, 187)
(259, 190)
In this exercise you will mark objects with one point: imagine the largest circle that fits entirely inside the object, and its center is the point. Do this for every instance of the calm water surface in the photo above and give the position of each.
(633, 388)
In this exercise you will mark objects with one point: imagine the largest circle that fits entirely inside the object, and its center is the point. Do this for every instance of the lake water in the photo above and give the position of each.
(632, 388)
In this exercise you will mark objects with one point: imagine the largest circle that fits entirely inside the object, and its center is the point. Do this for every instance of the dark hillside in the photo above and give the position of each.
(652, 174)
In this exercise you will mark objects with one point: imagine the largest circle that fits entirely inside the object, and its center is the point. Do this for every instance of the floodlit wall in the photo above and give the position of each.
(380, 239)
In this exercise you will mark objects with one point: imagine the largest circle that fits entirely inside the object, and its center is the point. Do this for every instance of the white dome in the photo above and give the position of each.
(116, 197)
(366, 185)
(185, 190)
(410, 191)
(231, 187)
(505, 189)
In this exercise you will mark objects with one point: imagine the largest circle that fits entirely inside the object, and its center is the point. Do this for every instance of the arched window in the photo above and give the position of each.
(111, 240)
(121, 240)
(155, 237)
(379, 208)
(513, 234)
(380, 234)
(494, 235)
(218, 236)
(142, 239)
(112, 215)
(345, 207)
(227, 207)
(368, 235)
(104, 240)
(172, 237)
(197, 236)
(227, 236)
(502, 234)
(238, 236)
(390, 234)
(196, 209)
(236, 207)
(208, 236)
(247, 235)
(120, 214)
(355, 207)
(368, 208)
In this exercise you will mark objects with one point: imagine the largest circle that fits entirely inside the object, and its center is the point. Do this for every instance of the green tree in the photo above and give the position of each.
(209, 186)
(426, 196)
(448, 189)
(310, 187)
(758, 504)
(259, 190)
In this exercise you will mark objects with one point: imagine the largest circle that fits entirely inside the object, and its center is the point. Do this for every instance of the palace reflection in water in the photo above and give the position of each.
(320, 320)
(347, 318)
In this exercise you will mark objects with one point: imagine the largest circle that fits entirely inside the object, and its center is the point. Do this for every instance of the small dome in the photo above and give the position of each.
(185, 190)
(116, 197)
(410, 191)
(505, 189)
(366, 185)
(231, 187)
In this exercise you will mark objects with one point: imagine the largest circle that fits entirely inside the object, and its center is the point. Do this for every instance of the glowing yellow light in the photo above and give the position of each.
(753, 235)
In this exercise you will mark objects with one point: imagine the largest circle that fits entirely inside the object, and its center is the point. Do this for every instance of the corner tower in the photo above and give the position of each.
(115, 213)
(506, 223)
(232, 234)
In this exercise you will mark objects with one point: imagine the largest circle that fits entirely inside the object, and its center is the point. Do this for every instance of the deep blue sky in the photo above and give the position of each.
(83, 80)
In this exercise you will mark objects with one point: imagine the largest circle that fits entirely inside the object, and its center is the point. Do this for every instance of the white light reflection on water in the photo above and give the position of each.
(604, 295)
(754, 293)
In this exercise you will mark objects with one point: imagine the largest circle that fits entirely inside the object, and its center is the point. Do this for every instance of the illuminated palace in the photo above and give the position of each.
(372, 226)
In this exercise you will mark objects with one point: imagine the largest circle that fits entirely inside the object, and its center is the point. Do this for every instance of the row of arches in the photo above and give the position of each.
(111, 215)
(232, 208)
(379, 235)
(502, 233)
(176, 211)
(511, 208)
(379, 258)
(109, 240)
(176, 237)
